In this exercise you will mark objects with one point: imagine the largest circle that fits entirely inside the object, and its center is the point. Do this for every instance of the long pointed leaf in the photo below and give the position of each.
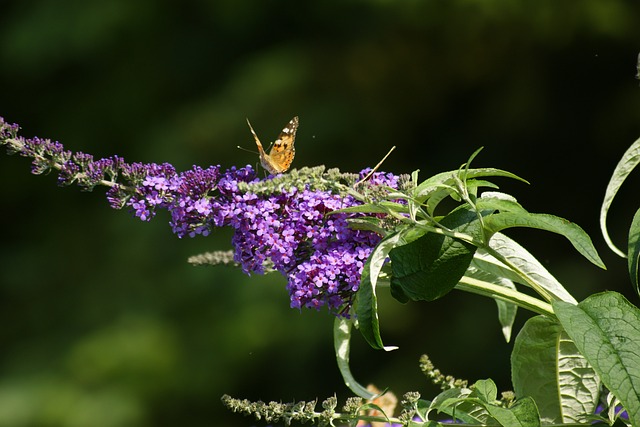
(634, 251)
(381, 207)
(628, 162)
(366, 306)
(521, 259)
(342, 346)
(576, 235)
(422, 191)
(366, 299)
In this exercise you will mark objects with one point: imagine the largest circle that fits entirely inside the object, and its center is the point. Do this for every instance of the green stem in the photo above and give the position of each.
(500, 292)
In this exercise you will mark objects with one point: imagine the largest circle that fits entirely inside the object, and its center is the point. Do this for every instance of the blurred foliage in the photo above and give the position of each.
(105, 324)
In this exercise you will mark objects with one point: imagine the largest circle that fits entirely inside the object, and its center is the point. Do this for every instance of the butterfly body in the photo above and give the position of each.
(283, 151)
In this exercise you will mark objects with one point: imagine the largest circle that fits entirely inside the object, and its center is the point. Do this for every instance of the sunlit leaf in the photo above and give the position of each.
(342, 346)
(454, 403)
(366, 208)
(523, 413)
(422, 191)
(627, 163)
(478, 406)
(366, 303)
(367, 223)
(634, 251)
(546, 365)
(492, 200)
(606, 329)
(576, 235)
(486, 390)
(523, 261)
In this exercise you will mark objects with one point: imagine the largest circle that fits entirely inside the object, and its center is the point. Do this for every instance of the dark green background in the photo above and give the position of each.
(102, 321)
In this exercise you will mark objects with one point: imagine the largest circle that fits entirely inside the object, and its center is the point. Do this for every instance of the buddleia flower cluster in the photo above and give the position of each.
(286, 226)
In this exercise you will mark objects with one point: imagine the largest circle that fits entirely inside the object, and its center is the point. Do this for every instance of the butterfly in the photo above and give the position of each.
(281, 154)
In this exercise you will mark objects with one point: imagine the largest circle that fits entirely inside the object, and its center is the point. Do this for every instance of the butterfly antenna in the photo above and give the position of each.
(376, 168)
(247, 150)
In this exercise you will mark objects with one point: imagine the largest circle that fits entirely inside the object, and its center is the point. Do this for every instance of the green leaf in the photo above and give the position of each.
(507, 314)
(455, 402)
(524, 262)
(445, 191)
(485, 390)
(365, 208)
(546, 365)
(576, 235)
(367, 223)
(414, 177)
(429, 267)
(471, 157)
(628, 162)
(634, 250)
(342, 345)
(478, 183)
(422, 191)
(366, 306)
(436, 197)
(523, 413)
(496, 201)
(478, 407)
(606, 329)
(366, 303)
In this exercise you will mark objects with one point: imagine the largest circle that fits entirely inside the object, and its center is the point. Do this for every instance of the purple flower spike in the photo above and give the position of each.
(286, 228)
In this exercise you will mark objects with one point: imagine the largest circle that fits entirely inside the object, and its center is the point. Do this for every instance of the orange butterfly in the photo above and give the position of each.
(281, 155)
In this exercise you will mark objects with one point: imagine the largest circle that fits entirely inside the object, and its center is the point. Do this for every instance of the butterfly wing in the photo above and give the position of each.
(283, 151)
(265, 160)
(281, 154)
(258, 143)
